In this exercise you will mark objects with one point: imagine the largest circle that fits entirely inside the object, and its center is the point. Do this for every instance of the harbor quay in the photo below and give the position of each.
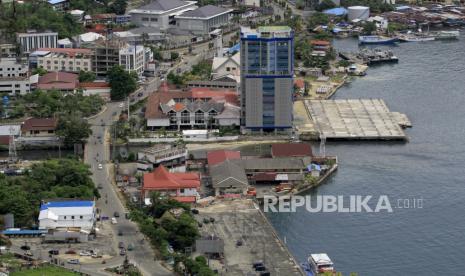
(248, 239)
(351, 119)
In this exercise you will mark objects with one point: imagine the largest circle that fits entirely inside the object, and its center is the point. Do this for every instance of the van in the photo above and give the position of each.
(114, 221)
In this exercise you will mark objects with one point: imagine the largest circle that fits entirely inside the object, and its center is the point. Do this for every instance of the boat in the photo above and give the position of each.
(445, 35)
(376, 39)
(318, 263)
(415, 38)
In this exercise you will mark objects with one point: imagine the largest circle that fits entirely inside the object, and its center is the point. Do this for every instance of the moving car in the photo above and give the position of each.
(120, 232)
(116, 214)
(122, 252)
(121, 244)
(114, 221)
(100, 166)
(85, 253)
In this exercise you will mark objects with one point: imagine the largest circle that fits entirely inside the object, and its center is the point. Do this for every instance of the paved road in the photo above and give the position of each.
(98, 152)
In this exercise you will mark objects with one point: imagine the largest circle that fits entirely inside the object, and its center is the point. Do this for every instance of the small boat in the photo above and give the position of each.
(415, 38)
(445, 35)
(376, 39)
(318, 263)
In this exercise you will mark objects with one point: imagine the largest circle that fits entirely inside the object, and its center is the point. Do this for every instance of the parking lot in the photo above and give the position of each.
(248, 238)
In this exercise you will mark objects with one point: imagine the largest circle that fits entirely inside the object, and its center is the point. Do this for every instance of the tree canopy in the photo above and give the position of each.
(55, 178)
(73, 129)
(38, 15)
(122, 83)
(86, 76)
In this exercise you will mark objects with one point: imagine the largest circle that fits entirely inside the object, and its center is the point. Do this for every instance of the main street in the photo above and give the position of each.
(98, 152)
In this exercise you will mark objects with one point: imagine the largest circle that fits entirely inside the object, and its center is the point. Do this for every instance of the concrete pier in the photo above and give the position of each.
(356, 119)
(241, 220)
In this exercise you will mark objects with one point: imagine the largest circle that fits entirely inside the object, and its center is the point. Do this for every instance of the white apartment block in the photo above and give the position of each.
(62, 59)
(14, 78)
(132, 58)
(32, 40)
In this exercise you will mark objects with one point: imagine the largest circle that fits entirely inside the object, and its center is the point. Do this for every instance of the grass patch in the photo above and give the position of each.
(46, 270)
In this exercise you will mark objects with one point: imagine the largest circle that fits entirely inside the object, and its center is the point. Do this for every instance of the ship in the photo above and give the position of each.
(415, 38)
(376, 39)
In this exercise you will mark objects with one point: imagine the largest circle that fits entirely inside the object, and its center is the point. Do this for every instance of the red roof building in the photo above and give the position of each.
(180, 186)
(291, 150)
(66, 82)
(39, 127)
(219, 156)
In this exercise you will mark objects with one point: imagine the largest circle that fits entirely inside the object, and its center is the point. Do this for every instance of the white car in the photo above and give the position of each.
(100, 166)
(73, 261)
(121, 105)
(85, 253)
(114, 221)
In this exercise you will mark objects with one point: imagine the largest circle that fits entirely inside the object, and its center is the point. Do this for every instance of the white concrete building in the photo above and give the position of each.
(62, 59)
(160, 14)
(132, 58)
(251, 3)
(65, 214)
(14, 78)
(33, 40)
(204, 19)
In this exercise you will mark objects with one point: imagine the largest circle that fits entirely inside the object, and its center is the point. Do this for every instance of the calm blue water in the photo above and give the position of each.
(428, 85)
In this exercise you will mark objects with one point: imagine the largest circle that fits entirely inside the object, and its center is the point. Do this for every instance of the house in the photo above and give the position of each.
(219, 156)
(291, 150)
(195, 108)
(203, 20)
(321, 45)
(227, 66)
(65, 82)
(59, 5)
(182, 187)
(102, 89)
(67, 214)
(39, 127)
(228, 178)
(160, 14)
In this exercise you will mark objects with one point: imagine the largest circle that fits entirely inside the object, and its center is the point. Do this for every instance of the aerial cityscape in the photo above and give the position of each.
(232, 137)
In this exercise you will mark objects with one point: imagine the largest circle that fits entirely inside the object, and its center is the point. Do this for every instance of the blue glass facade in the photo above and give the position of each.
(265, 61)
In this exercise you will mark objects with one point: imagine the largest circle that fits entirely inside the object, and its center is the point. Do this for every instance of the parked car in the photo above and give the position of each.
(130, 247)
(96, 255)
(25, 247)
(116, 214)
(28, 253)
(73, 261)
(100, 186)
(100, 166)
(122, 252)
(121, 244)
(140, 94)
(85, 253)
(195, 211)
(120, 232)
(114, 221)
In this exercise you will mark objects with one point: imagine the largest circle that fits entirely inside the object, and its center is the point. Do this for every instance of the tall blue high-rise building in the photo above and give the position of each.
(267, 68)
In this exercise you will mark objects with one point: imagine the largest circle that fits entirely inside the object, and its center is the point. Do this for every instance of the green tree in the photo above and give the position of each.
(174, 55)
(325, 5)
(86, 76)
(118, 6)
(316, 19)
(39, 70)
(368, 28)
(73, 129)
(122, 83)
